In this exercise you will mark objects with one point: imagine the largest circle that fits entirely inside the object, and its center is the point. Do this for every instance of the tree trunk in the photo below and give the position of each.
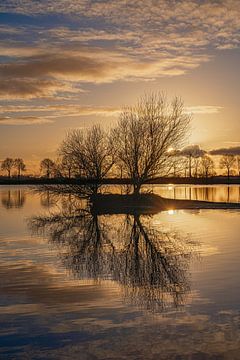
(136, 187)
(190, 166)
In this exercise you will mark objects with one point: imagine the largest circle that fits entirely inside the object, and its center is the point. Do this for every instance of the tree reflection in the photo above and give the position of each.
(47, 200)
(150, 264)
(13, 198)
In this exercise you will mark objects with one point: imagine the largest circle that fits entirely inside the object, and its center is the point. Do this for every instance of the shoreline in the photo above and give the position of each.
(216, 180)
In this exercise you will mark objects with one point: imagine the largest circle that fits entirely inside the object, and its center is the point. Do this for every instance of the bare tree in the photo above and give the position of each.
(144, 135)
(179, 162)
(238, 164)
(195, 167)
(20, 166)
(227, 162)
(47, 166)
(207, 166)
(90, 151)
(72, 148)
(185, 166)
(7, 165)
(67, 166)
(192, 153)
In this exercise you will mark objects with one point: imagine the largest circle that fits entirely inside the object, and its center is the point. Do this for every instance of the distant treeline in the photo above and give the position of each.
(26, 180)
(185, 166)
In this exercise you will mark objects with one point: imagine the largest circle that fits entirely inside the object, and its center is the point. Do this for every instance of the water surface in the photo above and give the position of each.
(80, 286)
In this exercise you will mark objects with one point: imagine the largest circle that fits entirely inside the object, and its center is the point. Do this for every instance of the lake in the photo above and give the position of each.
(77, 285)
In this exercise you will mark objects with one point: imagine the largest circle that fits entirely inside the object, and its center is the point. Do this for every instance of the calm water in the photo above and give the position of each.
(75, 285)
(221, 193)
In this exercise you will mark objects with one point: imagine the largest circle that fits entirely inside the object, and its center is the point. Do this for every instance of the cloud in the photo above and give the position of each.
(53, 112)
(48, 74)
(128, 40)
(87, 35)
(37, 114)
(192, 150)
(26, 88)
(17, 49)
(23, 120)
(117, 41)
(234, 150)
(95, 65)
(9, 30)
(204, 109)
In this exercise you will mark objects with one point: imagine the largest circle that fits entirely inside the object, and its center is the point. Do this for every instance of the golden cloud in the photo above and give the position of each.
(131, 41)
(20, 114)
(23, 120)
(204, 109)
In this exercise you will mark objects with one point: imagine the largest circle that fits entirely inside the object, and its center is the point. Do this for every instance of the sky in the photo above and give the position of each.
(68, 64)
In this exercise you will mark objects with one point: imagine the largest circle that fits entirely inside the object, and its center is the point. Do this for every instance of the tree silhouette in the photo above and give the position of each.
(193, 153)
(207, 166)
(144, 135)
(7, 165)
(227, 162)
(238, 164)
(67, 166)
(91, 152)
(47, 166)
(20, 166)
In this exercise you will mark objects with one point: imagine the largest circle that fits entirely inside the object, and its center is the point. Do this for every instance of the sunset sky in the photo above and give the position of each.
(71, 63)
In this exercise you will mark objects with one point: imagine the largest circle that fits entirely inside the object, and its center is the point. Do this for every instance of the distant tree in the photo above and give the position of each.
(19, 165)
(67, 166)
(7, 165)
(196, 165)
(47, 166)
(57, 171)
(193, 154)
(207, 166)
(227, 162)
(178, 163)
(144, 135)
(238, 164)
(177, 166)
(180, 166)
(90, 151)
